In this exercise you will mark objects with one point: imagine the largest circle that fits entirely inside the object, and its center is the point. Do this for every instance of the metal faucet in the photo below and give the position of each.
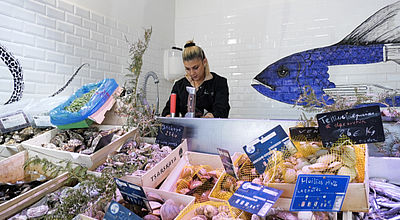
(142, 93)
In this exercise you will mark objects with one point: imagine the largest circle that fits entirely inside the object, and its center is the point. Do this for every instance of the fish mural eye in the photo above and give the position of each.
(283, 71)
(376, 40)
(16, 70)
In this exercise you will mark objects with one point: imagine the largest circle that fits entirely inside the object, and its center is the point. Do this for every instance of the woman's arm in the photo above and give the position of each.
(221, 103)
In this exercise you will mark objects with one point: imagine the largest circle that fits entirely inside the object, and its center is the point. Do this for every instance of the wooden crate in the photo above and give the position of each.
(176, 197)
(12, 169)
(190, 158)
(34, 146)
(154, 176)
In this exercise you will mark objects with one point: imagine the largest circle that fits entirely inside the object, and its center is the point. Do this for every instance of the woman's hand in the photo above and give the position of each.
(208, 115)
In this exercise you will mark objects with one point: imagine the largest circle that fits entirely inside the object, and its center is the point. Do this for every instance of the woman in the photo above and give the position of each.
(212, 93)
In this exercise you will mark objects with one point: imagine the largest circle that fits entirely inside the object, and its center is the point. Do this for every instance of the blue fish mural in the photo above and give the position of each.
(375, 40)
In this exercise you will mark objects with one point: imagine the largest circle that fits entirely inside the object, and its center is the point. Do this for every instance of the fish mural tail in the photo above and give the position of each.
(376, 40)
(16, 70)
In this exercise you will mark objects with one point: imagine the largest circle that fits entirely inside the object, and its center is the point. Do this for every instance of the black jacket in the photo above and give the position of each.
(212, 96)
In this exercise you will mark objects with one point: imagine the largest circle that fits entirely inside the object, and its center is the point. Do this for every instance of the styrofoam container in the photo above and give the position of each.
(34, 146)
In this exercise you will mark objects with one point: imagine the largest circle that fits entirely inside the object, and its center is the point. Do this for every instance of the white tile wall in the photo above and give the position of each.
(52, 38)
(241, 38)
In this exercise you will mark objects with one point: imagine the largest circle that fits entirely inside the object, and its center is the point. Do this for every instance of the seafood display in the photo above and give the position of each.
(82, 140)
(334, 161)
(384, 200)
(19, 136)
(135, 158)
(197, 181)
(9, 191)
(210, 212)
(48, 205)
(162, 208)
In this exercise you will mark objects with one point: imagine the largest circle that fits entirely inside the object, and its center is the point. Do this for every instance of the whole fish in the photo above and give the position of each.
(16, 70)
(391, 213)
(386, 189)
(376, 40)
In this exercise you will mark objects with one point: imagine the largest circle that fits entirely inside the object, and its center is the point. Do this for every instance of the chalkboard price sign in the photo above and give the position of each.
(170, 135)
(304, 134)
(361, 125)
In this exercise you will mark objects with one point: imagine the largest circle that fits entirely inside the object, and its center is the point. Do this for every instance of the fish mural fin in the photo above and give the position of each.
(16, 70)
(383, 27)
(69, 81)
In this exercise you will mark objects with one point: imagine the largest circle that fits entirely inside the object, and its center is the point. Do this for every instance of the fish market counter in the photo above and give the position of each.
(206, 135)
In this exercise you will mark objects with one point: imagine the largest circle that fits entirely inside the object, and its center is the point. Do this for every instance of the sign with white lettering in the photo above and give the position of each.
(254, 198)
(117, 211)
(304, 134)
(361, 125)
(133, 194)
(319, 193)
(271, 144)
(169, 135)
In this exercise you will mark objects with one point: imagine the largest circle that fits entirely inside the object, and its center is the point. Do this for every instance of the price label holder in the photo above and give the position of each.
(319, 193)
(360, 125)
(227, 161)
(255, 198)
(133, 194)
(304, 134)
(13, 122)
(169, 135)
(42, 121)
(104, 141)
(117, 211)
(262, 148)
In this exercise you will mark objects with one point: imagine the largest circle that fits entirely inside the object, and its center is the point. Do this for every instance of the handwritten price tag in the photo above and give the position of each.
(170, 135)
(361, 125)
(304, 134)
(319, 193)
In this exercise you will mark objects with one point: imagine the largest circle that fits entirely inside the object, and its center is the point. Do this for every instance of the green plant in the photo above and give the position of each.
(136, 52)
(129, 106)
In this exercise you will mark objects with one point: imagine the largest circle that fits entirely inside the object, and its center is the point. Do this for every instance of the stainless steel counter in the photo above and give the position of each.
(206, 135)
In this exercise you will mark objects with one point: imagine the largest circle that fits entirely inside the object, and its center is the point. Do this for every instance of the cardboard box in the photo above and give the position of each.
(190, 158)
(13, 169)
(34, 146)
(179, 199)
(154, 176)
